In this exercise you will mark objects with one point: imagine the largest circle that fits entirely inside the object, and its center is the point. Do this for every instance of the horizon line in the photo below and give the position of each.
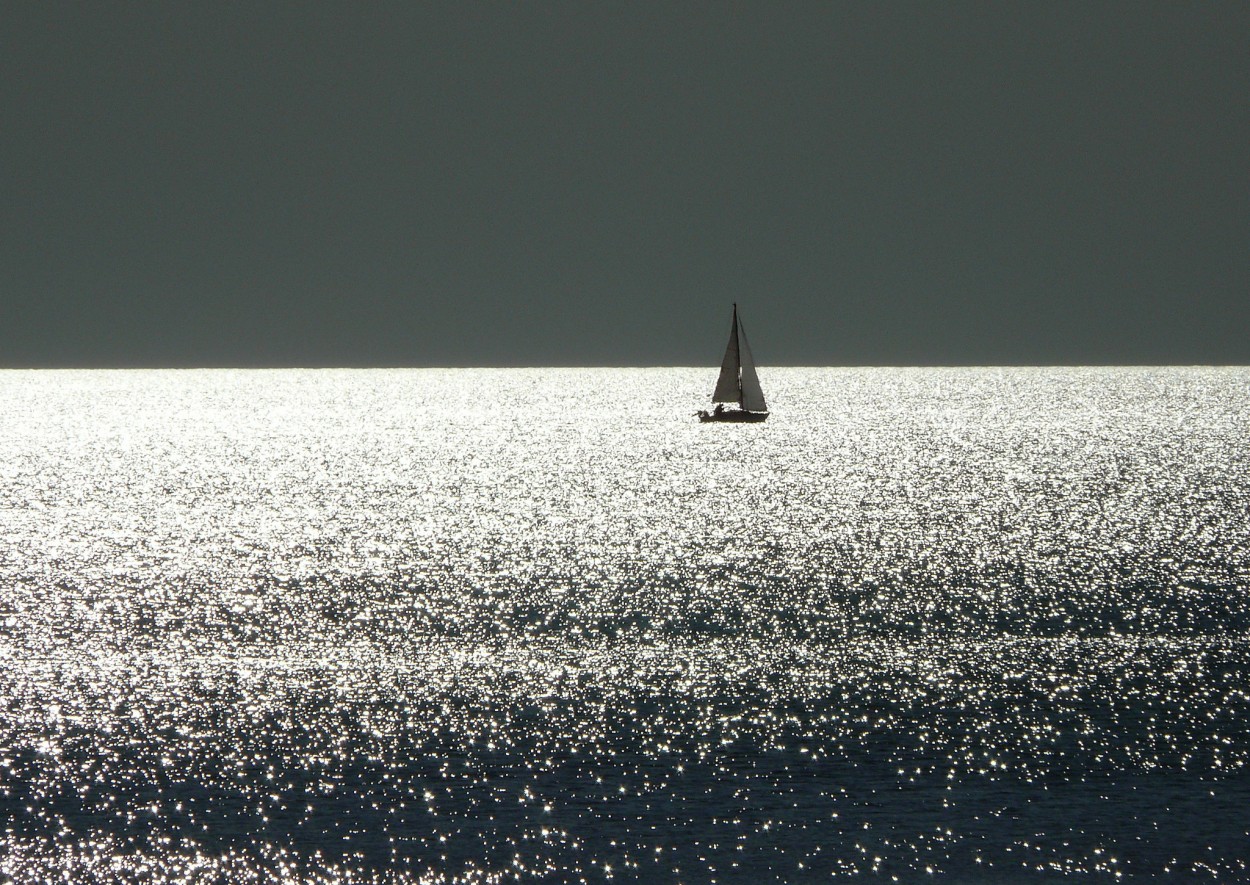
(502, 367)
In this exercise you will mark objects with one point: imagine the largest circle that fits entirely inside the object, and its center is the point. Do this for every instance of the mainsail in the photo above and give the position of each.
(727, 387)
(738, 382)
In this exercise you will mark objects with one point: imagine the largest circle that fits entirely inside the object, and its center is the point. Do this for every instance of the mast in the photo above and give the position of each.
(728, 386)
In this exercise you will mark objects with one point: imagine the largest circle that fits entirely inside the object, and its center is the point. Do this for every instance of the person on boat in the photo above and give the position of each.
(720, 409)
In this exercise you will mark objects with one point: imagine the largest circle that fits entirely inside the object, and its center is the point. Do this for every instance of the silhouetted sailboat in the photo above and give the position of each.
(738, 382)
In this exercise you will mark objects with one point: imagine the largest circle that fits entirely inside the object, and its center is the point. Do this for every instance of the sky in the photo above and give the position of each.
(497, 184)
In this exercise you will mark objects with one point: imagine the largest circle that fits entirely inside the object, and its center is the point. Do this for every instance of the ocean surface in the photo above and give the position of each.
(968, 625)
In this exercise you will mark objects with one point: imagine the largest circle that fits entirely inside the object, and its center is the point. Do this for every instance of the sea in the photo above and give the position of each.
(493, 625)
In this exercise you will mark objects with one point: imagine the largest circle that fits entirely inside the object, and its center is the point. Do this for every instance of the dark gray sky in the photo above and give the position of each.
(307, 183)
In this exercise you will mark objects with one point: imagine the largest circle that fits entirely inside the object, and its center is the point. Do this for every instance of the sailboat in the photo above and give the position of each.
(738, 382)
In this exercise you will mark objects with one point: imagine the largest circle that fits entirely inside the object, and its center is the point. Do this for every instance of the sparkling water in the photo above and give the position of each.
(479, 625)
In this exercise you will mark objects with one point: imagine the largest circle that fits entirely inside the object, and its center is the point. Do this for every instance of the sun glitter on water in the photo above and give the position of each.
(469, 625)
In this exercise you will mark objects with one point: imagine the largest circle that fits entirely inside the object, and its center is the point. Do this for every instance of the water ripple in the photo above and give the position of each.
(435, 626)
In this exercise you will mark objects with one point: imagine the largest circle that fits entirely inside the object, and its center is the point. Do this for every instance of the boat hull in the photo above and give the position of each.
(733, 416)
